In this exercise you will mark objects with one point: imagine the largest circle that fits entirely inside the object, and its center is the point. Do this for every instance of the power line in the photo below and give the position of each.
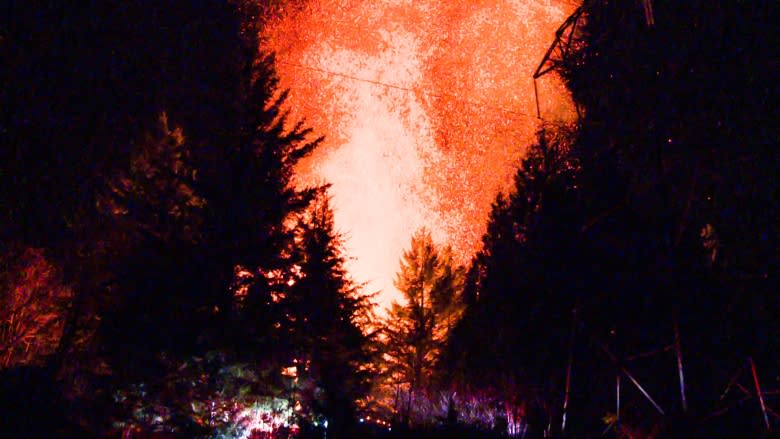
(407, 89)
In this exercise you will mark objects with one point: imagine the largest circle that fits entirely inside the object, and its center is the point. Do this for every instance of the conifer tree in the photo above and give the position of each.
(417, 328)
(210, 255)
(328, 316)
(513, 336)
(173, 237)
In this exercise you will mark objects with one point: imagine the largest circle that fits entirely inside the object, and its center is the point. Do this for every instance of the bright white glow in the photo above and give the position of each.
(427, 106)
(266, 416)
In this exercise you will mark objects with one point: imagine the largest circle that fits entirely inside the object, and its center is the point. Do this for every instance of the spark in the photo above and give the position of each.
(427, 107)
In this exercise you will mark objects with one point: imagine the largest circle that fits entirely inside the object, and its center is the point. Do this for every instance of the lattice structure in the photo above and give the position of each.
(622, 369)
(758, 393)
(558, 52)
(557, 55)
(622, 366)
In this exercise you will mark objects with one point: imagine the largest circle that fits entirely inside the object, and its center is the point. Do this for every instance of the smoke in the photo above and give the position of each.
(427, 107)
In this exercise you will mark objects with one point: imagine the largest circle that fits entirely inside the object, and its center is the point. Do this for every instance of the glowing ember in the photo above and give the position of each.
(428, 106)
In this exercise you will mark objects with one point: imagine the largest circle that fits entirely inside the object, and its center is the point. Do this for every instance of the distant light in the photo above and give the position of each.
(325, 423)
(362, 420)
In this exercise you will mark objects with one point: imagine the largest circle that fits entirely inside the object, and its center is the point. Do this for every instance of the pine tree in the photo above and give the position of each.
(328, 316)
(32, 307)
(513, 336)
(417, 328)
(211, 255)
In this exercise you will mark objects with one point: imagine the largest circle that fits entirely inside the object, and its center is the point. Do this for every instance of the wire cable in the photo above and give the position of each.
(407, 89)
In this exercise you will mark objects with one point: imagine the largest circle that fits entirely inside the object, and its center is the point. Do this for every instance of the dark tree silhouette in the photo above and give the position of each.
(328, 314)
(673, 221)
(198, 218)
(513, 337)
(150, 229)
(32, 307)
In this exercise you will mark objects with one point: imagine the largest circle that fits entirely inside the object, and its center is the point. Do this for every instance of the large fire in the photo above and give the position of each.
(428, 106)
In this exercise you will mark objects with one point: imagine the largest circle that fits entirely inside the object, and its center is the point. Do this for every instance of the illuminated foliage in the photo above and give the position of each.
(32, 307)
(163, 271)
(210, 396)
(156, 195)
(416, 329)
